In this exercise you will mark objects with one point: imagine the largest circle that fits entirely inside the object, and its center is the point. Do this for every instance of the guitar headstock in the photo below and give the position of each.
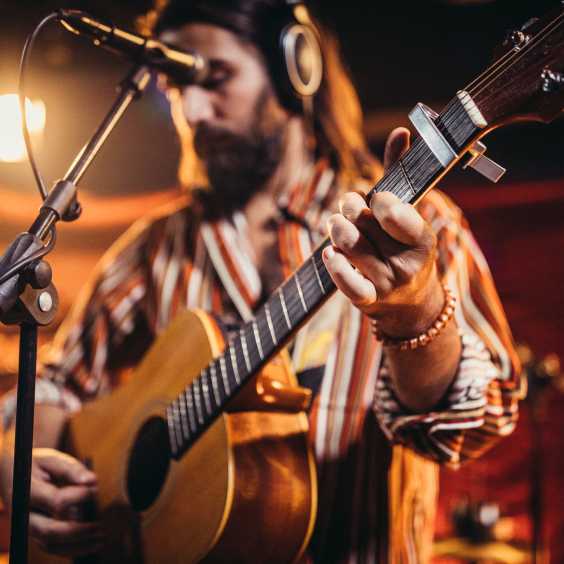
(526, 80)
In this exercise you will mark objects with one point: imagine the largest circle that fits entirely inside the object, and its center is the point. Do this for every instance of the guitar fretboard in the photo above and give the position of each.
(298, 298)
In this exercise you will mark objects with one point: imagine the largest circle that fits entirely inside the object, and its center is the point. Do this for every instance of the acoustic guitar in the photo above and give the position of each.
(202, 456)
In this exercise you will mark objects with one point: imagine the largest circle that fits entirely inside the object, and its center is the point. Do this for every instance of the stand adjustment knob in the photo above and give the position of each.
(38, 274)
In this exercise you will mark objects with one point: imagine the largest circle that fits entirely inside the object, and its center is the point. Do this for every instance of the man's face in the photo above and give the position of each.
(235, 117)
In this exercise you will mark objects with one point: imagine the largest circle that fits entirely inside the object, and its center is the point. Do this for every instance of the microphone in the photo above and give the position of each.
(183, 67)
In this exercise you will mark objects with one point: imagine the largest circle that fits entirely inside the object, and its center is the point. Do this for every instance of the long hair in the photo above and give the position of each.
(336, 118)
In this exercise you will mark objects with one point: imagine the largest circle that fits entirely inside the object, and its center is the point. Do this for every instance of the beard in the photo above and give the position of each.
(239, 165)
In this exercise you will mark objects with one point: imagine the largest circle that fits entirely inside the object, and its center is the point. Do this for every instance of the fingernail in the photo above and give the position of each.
(86, 476)
(329, 252)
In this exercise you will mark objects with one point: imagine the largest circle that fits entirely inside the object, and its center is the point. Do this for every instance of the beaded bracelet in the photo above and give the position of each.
(436, 328)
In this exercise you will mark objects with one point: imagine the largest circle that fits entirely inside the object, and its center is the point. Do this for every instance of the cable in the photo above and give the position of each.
(23, 70)
(22, 263)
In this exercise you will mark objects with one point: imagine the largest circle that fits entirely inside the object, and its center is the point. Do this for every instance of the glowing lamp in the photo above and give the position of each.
(12, 145)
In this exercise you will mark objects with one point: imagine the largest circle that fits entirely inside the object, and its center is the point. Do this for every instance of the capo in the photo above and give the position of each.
(423, 118)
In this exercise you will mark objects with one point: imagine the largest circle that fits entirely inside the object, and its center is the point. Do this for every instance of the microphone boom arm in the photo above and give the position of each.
(184, 67)
(60, 204)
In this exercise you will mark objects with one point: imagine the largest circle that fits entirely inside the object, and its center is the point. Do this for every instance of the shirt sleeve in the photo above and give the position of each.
(481, 406)
(102, 335)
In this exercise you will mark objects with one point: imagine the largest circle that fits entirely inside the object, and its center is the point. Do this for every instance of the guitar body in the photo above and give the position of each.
(245, 491)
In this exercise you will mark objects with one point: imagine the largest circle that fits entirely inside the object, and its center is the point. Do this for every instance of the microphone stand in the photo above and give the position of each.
(29, 299)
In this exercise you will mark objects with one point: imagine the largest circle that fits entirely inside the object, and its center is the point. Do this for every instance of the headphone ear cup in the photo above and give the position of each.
(302, 59)
(295, 57)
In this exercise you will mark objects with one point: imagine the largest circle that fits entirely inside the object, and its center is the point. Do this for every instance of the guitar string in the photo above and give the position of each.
(422, 156)
(421, 162)
(419, 153)
(510, 54)
(418, 159)
(416, 153)
(293, 306)
(507, 55)
(514, 56)
(520, 54)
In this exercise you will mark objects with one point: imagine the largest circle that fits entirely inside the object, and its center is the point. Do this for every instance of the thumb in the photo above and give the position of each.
(62, 467)
(396, 145)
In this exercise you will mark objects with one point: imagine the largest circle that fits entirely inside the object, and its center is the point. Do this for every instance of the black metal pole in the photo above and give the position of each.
(54, 208)
(24, 439)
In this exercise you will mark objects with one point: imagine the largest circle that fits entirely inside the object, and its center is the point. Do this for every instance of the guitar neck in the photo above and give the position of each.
(419, 169)
(299, 297)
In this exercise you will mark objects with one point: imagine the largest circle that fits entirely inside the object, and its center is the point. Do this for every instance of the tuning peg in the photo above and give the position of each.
(527, 24)
(551, 80)
(517, 38)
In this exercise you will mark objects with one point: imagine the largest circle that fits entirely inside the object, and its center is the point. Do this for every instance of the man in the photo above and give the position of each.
(267, 173)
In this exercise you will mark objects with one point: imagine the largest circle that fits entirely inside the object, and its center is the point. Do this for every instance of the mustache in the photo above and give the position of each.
(211, 138)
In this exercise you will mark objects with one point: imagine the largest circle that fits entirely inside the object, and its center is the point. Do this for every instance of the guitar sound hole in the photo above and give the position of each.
(148, 464)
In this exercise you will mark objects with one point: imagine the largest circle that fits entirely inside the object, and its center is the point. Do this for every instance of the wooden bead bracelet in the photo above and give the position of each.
(436, 328)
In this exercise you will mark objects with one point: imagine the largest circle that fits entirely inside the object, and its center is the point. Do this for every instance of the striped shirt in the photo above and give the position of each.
(377, 464)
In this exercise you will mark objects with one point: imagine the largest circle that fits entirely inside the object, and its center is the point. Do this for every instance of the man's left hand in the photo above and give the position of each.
(392, 252)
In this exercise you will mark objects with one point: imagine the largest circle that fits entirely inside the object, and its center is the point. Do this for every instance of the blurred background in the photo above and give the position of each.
(504, 507)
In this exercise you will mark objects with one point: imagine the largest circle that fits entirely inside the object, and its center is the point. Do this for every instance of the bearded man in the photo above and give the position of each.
(270, 171)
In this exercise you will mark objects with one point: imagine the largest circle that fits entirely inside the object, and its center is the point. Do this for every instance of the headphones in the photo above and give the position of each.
(296, 60)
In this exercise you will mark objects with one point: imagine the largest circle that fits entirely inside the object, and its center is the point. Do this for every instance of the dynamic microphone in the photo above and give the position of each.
(183, 67)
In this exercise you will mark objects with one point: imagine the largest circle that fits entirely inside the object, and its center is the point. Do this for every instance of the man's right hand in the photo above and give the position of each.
(59, 484)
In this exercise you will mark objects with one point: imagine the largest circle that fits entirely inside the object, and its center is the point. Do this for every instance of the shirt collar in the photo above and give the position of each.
(307, 201)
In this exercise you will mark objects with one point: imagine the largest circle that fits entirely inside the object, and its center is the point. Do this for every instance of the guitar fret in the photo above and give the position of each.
(300, 293)
(407, 177)
(257, 338)
(277, 318)
(215, 384)
(265, 332)
(422, 166)
(206, 391)
(284, 309)
(456, 124)
(269, 321)
(326, 279)
(234, 363)
(183, 416)
(316, 270)
(239, 359)
(395, 182)
(198, 400)
(190, 406)
(171, 432)
(245, 349)
(176, 419)
(309, 285)
(223, 370)
(293, 302)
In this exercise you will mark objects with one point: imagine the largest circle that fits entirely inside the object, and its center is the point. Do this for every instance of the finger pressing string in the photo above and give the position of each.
(399, 220)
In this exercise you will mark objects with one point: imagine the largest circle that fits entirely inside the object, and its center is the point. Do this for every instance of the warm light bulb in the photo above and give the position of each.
(12, 145)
